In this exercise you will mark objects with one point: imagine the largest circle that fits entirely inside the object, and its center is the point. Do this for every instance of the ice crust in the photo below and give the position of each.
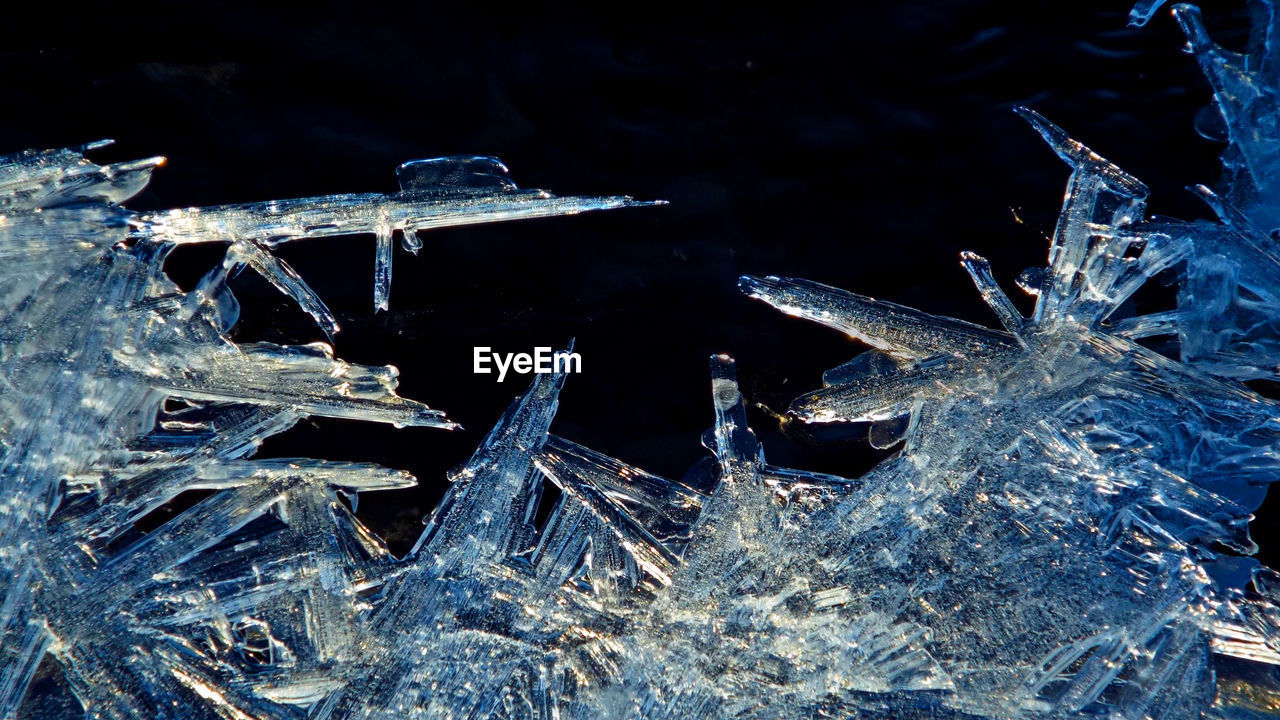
(1062, 532)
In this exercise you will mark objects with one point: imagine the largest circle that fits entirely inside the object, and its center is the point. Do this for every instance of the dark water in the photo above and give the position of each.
(862, 146)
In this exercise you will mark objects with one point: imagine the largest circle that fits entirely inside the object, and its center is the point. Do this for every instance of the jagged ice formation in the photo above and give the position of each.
(1062, 532)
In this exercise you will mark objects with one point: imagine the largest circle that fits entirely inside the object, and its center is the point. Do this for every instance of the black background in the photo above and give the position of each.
(862, 146)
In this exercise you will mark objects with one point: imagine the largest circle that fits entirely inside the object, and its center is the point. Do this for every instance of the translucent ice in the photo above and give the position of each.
(121, 392)
(1063, 530)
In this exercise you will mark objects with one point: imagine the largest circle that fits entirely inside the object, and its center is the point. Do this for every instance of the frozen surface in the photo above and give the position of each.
(1062, 532)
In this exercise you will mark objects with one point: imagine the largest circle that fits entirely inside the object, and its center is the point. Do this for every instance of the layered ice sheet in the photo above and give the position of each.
(1062, 532)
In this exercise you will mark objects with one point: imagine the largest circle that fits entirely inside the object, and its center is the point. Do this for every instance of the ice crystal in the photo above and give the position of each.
(120, 392)
(1063, 530)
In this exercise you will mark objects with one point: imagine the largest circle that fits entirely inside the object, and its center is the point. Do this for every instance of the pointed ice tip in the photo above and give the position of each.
(371, 481)
(1211, 199)
(759, 287)
(154, 161)
(578, 205)
(1192, 24)
(1201, 190)
(1030, 115)
(1050, 131)
(428, 420)
(1233, 218)
(1079, 156)
(1143, 11)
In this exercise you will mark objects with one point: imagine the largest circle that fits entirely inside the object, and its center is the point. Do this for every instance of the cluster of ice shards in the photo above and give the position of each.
(1062, 532)
(119, 392)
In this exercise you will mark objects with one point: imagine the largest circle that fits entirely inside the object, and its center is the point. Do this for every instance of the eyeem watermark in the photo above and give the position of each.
(543, 360)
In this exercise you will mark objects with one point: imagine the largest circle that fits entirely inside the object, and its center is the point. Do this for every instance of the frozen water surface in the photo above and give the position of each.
(1062, 532)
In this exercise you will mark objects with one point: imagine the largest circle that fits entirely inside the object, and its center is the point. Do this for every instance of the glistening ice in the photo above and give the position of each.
(1062, 532)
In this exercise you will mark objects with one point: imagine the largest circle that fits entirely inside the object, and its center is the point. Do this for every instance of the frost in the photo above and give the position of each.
(1063, 530)
(121, 392)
